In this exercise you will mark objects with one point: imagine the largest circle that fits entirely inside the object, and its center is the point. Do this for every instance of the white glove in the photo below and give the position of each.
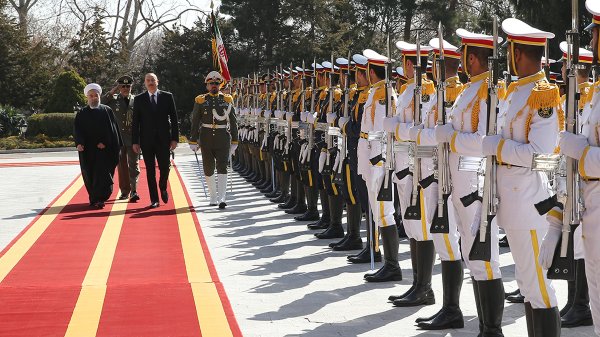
(303, 153)
(194, 147)
(307, 153)
(390, 124)
(476, 219)
(322, 159)
(414, 132)
(232, 149)
(490, 145)
(551, 239)
(571, 144)
(276, 142)
(289, 116)
(264, 142)
(444, 133)
(337, 163)
(331, 117)
(342, 121)
(310, 118)
(303, 115)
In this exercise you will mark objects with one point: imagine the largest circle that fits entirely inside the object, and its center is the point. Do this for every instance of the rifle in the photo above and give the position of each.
(563, 262)
(288, 130)
(482, 249)
(413, 211)
(328, 136)
(339, 177)
(386, 190)
(440, 222)
(310, 126)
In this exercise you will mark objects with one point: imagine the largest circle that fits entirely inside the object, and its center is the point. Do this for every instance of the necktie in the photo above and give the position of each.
(153, 100)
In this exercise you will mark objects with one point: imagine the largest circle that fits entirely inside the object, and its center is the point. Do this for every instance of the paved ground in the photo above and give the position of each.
(281, 281)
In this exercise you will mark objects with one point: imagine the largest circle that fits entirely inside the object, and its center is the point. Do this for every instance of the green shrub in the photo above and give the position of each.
(67, 92)
(51, 124)
(40, 141)
(10, 120)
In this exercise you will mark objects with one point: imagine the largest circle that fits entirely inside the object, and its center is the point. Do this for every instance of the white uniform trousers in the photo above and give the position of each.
(590, 229)
(446, 245)
(415, 229)
(382, 211)
(462, 185)
(531, 277)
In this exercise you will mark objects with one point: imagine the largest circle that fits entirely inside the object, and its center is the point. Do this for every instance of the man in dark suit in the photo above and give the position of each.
(155, 131)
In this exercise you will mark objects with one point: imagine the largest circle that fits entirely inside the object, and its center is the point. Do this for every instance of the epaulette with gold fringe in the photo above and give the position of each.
(200, 99)
(544, 96)
(352, 93)
(453, 89)
(502, 89)
(323, 94)
(402, 89)
(428, 87)
(363, 96)
(337, 95)
(228, 98)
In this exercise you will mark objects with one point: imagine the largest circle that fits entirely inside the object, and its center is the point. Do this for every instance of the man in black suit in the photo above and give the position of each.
(155, 131)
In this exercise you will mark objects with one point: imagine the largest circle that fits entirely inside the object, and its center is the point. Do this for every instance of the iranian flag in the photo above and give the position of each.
(218, 49)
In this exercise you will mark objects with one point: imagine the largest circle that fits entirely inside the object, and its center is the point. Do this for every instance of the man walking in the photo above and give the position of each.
(156, 132)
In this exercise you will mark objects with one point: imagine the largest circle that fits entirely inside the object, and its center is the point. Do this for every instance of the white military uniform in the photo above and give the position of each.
(372, 121)
(527, 128)
(469, 119)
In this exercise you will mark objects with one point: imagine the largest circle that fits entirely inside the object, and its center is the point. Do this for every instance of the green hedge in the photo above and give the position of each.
(51, 124)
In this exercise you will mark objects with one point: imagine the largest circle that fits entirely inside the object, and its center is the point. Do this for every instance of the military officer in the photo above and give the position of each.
(371, 158)
(530, 124)
(422, 249)
(120, 100)
(214, 132)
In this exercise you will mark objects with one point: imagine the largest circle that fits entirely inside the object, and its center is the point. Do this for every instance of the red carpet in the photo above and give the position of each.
(122, 271)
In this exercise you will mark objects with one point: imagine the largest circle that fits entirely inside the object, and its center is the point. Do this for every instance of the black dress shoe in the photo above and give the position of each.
(154, 204)
(350, 244)
(222, 205)
(124, 196)
(134, 197)
(516, 298)
(333, 231)
(297, 209)
(279, 198)
(337, 243)
(364, 257)
(446, 318)
(273, 194)
(164, 196)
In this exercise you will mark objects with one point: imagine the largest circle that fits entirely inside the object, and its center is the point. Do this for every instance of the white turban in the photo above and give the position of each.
(92, 86)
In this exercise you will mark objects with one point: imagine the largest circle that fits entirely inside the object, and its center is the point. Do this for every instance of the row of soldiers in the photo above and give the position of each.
(425, 151)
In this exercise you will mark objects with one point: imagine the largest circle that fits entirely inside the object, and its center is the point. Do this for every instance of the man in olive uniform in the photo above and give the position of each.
(122, 105)
(214, 131)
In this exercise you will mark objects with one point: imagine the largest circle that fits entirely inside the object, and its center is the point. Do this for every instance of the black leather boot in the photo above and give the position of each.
(516, 298)
(450, 316)
(491, 301)
(422, 294)
(284, 188)
(365, 255)
(570, 296)
(391, 268)
(546, 322)
(323, 222)
(300, 205)
(335, 229)
(353, 240)
(529, 319)
(413, 260)
(579, 314)
(290, 202)
(478, 305)
(311, 213)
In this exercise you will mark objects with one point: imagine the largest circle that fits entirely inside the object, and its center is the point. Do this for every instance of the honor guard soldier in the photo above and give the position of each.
(297, 201)
(351, 126)
(328, 153)
(577, 310)
(214, 132)
(120, 100)
(446, 244)
(342, 165)
(371, 157)
(586, 149)
(530, 123)
(422, 249)
(282, 173)
(464, 134)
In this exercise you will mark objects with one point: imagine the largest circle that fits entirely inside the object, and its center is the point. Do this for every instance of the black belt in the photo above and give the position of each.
(511, 165)
(401, 174)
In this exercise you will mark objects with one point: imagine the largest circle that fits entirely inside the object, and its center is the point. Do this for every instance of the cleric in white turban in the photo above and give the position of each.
(98, 141)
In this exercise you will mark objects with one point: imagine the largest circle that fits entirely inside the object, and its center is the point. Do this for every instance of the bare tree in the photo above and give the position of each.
(22, 7)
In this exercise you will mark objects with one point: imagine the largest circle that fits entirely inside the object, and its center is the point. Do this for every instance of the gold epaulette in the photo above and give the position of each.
(544, 95)
(307, 92)
(379, 93)
(337, 95)
(200, 99)
(482, 93)
(323, 94)
(228, 98)
(428, 87)
(352, 92)
(454, 88)
(296, 95)
(363, 96)
(585, 91)
(403, 88)
(272, 97)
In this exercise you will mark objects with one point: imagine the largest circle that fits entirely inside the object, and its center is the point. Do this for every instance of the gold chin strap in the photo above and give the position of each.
(512, 58)
(464, 61)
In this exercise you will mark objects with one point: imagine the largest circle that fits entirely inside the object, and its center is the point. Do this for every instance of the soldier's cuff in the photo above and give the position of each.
(192, 143)
(234, 142)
